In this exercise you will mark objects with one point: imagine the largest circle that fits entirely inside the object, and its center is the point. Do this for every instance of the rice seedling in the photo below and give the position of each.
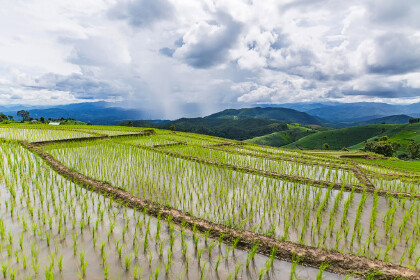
(48, 207)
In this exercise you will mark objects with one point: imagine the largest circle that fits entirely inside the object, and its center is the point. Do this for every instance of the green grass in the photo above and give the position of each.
(413, 166)
(354, 137)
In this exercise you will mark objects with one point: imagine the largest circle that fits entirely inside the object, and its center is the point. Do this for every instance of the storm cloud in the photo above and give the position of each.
(190, 58)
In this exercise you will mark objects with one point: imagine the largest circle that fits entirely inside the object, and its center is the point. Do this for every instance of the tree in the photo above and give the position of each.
(395, 146)
(326, 146)
(380, 147)
(413, 149)
(414, 120)
(42, 119)
(23, 114)
(130, 123)
(172, 128)
(10, 117)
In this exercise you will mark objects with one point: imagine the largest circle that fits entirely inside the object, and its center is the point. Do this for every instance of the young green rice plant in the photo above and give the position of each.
(60, 263)
(137, 272)
(157, 271)
(261, 273)
(323, 266)
(127, 262)
(12, 273)
(251, 254)
(219, 258)
(120, 252)
(35, 265)
(106, 270)
(48, 238)
(150, 258)
(200, 253)
(74, 244)
(202, 271)
(17, 256)
(293, 270)
(24, 263)
(83, 263)
(49, 273)
(4, 268)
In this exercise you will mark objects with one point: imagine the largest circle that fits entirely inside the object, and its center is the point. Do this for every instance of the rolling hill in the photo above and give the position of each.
(282, 138)
(270, 113)
(354, 137)
(241, 124)
(228, 128)
(394, 119)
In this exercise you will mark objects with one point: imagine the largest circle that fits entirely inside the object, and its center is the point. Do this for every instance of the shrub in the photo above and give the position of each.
(413, 149)
(403, 156)
(380, 147)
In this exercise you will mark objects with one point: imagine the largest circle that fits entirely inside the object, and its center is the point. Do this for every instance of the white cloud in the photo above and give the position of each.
(209, 54)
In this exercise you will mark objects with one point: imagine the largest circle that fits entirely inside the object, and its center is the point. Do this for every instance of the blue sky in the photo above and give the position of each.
(180, 58)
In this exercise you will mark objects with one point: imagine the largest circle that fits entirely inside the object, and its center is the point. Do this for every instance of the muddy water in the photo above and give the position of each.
(30, 135)
(46, 220)
(284, 210)
(395, 185)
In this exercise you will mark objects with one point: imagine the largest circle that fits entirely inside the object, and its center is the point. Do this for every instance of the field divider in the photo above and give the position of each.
(361, 176)
(396, 169)
(81, 139)
(403, 177)
(221, 144)
(290, 178)
(169, 145)
(341, 263)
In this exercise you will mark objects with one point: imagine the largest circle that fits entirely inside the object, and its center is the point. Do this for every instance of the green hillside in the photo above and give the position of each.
(240, 129)
(394, 119)
(278, 114)
(282, 138)
(354, 137)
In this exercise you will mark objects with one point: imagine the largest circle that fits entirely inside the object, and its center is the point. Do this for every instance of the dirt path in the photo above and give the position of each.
(310, 256)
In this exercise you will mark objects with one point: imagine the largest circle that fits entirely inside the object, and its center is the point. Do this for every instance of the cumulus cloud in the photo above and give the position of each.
(207, 43)
(394, 53)
(181, 58)
(82, 86)
(141, 13)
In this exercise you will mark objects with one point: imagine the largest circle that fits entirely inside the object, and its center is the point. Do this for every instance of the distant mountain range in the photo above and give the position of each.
(354, 112)
(326, 114)
(90, 112)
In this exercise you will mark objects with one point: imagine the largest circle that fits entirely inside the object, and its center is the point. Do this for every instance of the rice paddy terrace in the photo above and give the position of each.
(97, 202)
